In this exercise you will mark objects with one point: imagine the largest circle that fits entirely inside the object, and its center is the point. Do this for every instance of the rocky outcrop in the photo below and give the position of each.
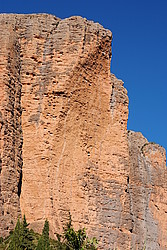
(64, 144)
(148, 192)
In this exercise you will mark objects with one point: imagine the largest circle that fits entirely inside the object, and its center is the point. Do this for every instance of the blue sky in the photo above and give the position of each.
(139, 51)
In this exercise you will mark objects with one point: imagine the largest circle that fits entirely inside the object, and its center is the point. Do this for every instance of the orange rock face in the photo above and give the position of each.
(64, 144)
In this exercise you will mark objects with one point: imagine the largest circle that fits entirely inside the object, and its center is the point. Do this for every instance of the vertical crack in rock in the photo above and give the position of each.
(20, 184)
(11, 132)
(112, 101)
(84, 39)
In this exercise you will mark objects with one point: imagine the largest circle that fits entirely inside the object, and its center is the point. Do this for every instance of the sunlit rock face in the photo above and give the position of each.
(64, 144)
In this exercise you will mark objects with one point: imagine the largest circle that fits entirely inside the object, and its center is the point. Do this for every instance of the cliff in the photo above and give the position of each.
(64, 144)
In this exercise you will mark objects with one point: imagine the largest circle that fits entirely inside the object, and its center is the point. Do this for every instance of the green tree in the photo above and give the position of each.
(76, 240)
(27, 236)
(24, 239)
(21, 238)
(16, 237)
(43, 242)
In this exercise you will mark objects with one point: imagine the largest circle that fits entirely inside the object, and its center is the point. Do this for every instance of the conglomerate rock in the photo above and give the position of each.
(64, 144)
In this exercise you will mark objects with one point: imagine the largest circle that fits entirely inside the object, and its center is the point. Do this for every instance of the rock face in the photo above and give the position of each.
(64, 144)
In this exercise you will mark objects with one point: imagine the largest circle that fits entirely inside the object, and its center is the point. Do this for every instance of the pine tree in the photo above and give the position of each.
(27, 236)
(16, 238)
(22, 238)
(43, 242)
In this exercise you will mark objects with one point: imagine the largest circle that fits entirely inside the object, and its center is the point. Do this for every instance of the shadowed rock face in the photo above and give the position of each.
(64, 144)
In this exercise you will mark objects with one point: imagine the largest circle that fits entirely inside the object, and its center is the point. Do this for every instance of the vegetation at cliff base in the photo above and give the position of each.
(22, 238)
(71, 239)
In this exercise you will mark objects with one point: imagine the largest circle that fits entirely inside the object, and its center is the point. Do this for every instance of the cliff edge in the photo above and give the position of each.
(64, 144)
